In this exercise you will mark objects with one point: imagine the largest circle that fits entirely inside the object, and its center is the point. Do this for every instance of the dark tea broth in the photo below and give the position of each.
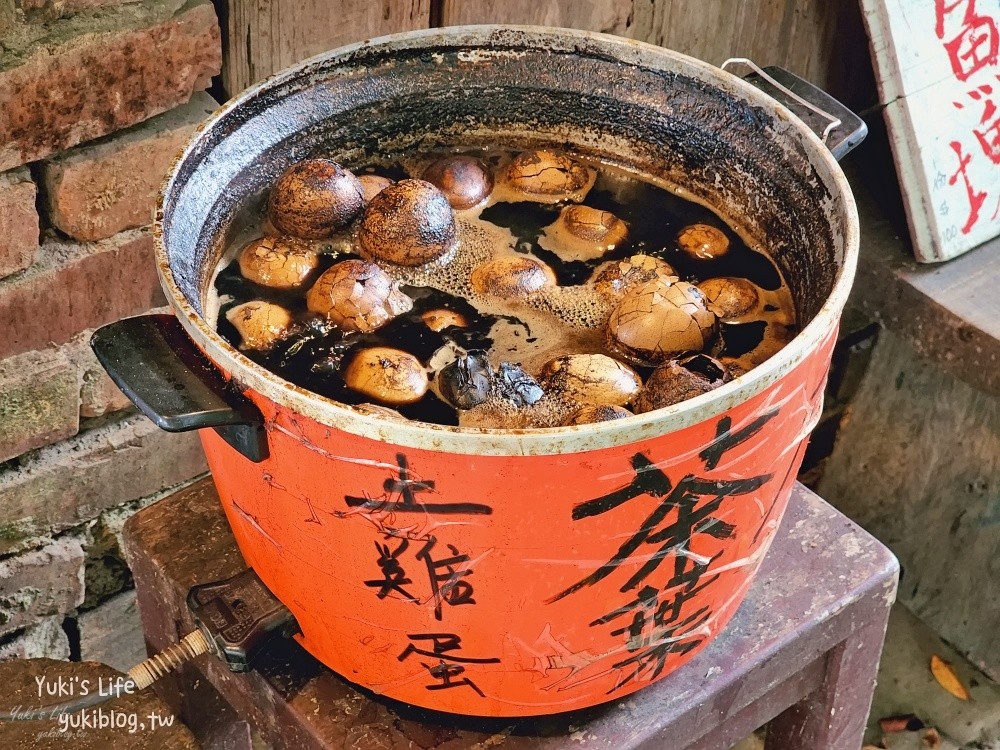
(511, 348)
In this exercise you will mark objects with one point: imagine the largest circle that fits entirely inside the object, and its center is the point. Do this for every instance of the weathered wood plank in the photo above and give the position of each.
(917, 463)
(949, 313)
(265, 36)
(822, 40)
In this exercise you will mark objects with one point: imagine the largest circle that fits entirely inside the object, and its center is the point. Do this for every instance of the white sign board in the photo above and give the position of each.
(936, 62)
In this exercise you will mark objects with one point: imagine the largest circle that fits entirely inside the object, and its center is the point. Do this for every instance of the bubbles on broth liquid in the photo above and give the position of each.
(512, 329)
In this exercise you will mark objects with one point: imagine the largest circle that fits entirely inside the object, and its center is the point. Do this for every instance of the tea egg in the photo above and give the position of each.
(512, 276)
(465, 180)
(598, 413)
(679, 380)
(277, 262)
(703, 242)
(356, 295)
(590, 379)
(314, 198)
(390, 376)
(260, 324)
(730, 297)
(372, 185)
(660, 320)
(548, 175)
(409, 223)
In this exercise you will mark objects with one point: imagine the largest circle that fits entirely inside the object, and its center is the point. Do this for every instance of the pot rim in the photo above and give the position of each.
(536, 441)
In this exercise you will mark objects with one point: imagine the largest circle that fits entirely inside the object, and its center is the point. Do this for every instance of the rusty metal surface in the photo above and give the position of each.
(824, 580)
(642, 107)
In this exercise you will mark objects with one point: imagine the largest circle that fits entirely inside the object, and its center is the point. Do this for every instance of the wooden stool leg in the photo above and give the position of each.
(833, 717)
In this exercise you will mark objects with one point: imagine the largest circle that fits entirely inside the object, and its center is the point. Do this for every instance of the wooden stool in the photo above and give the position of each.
(804, 647)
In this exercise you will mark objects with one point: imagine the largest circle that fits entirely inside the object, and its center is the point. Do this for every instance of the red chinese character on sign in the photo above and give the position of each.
(988, 134)
(976, 199)
(977, 43)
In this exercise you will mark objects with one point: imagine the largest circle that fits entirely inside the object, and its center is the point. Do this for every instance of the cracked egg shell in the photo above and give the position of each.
(548, 175)
(703, 242)
(439, 319)
(584, 233)
(277, 262)
(465, 180)
(313, 199)
(598, 413)
(730, 297)
(372, 185)
(390, 376)
(260, 324)
(409, 223)
(512, 276)
(356, 295)
(615, 277)
(590, 379)
(660, 320)
(679, 380)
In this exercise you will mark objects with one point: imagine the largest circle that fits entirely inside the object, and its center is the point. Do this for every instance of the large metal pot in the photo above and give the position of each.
(501, 572)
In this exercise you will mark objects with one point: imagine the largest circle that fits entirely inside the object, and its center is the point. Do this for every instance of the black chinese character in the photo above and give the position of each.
(407, 489)
(448, 666)
(393, 574)
(446, 582)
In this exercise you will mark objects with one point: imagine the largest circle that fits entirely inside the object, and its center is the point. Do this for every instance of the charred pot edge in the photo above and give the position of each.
(156, 365)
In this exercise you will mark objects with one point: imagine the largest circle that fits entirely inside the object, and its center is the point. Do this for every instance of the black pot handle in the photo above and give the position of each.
(159, 368)
(838, 127)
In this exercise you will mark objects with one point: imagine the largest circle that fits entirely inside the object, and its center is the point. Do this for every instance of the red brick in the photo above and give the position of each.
(74, 287)
(39, 401)
(95, 191)
(56, 95)
(72, 482)
(98, 393)
(18, 222)
(40, 583)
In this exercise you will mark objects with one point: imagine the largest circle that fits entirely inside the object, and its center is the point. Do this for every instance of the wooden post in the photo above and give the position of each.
(821, 40)
(265, 36)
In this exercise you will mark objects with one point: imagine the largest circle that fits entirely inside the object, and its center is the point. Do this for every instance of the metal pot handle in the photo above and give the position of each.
(836, 125)
(159, 368)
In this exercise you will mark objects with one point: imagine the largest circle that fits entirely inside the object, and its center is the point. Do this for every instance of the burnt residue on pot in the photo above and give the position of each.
(511, 88)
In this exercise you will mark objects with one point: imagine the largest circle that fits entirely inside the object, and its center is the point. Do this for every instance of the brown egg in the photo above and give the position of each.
(372, 185)
(277, 262)
(409, 223)
(387, 375)
(548, 174)
(356, 295)
(511, 276)
(313, 199)
(590, 379)
(598, 413)
(465, 180)
(660, 320)
(438, 320)
(615, 277)
(260, 324)
(583, 233)
(703, 242)
(730, 297)
(679, 380)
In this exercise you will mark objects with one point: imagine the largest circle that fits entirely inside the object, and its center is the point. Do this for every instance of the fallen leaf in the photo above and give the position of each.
(931, 739)
(946, 678)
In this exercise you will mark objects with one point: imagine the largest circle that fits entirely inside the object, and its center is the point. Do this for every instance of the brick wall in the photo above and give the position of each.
(98, 98)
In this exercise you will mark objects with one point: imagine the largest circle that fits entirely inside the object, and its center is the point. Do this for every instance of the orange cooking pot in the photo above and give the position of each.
(491, 572)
